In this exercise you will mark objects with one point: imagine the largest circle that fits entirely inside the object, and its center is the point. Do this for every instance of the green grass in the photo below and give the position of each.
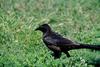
(21, 46)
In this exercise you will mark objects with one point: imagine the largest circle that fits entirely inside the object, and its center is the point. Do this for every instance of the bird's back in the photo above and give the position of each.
(56, 39)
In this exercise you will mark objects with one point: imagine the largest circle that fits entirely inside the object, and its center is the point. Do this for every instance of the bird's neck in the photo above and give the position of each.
(47, 32)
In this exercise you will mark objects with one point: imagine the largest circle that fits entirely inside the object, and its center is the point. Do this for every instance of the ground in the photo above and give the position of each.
(21, 46)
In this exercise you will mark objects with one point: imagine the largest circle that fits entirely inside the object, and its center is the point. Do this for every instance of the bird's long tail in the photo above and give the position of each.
(87, 46)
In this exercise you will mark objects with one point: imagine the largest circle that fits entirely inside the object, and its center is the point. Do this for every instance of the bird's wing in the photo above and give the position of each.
(50, 40)
(60, 40)
(51, 44)
(56, 39)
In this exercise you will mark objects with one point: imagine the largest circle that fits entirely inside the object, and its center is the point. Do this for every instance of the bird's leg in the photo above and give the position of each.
(66, 52)
(56, 54)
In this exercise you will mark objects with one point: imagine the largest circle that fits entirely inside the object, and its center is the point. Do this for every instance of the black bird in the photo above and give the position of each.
(58, 44)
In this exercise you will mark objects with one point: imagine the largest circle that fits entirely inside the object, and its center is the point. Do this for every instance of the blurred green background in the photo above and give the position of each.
(21, 46)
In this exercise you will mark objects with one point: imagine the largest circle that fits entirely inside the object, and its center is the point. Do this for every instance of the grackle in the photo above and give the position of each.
(58, 44)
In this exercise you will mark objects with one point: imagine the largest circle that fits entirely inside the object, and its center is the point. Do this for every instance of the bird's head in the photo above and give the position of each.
(44, 28)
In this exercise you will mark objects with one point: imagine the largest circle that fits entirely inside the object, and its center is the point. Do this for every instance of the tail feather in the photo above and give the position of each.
(87, 46)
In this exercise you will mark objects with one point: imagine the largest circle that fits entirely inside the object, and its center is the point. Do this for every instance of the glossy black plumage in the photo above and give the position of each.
(58, 44)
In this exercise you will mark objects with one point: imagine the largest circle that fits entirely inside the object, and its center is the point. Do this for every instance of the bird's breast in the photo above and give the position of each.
(54, 48)
(51, 46)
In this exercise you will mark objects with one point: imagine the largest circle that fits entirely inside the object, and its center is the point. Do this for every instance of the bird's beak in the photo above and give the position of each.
(36, 29)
